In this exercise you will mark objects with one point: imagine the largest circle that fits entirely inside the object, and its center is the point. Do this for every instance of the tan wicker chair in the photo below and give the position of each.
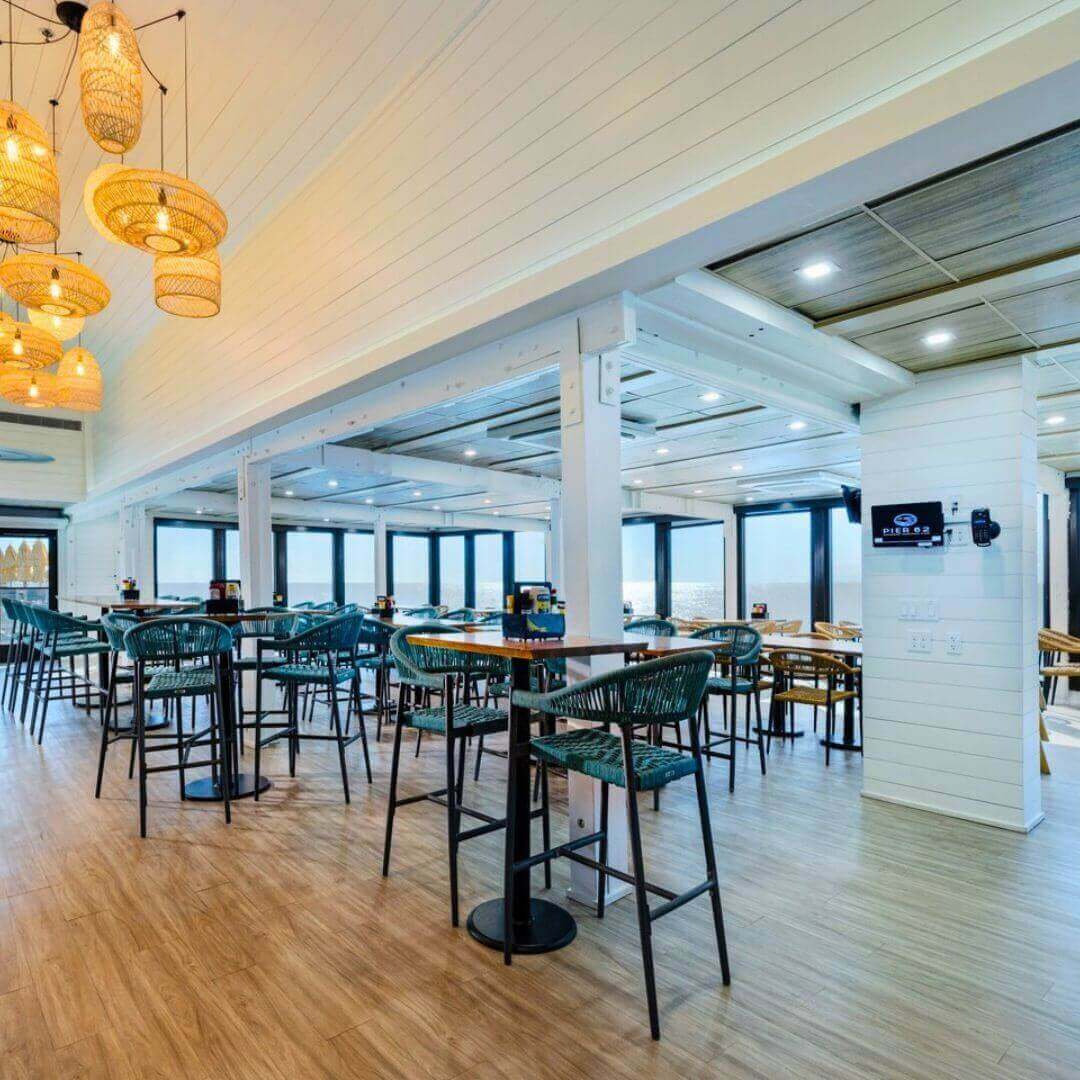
(1059, 658)
(795, 669)
(838, 631)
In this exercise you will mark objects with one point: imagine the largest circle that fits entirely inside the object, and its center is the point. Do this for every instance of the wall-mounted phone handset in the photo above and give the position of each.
(983, 530)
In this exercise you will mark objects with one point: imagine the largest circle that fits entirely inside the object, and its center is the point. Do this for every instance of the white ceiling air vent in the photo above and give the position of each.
(545, 431)
(793, 484)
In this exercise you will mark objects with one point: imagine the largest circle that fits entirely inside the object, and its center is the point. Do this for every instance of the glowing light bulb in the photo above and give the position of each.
(11, 148)
(57, 324)
(54, 289)
(114, 43)
(163, 220)
(33, 391)
(80, 368)
(17, 345)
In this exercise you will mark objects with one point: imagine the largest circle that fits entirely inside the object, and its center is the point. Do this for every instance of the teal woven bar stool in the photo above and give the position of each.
(739, 656)
(178, 658)
(374, 643)
(423, 612)
(655, 693)
(61, 637)
(655, 627)
(266, 624)
(439, 669)
(311, 658)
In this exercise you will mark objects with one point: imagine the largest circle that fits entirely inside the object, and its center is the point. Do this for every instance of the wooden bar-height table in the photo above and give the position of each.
(539, 925)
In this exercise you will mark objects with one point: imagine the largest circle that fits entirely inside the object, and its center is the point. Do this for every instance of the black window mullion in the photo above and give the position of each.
(281, 555)
(219, 552)
(470, 570)
(389, 563)
(434, 570)
(337, 577)
(820, 566)
(508, 565)
(662, 566)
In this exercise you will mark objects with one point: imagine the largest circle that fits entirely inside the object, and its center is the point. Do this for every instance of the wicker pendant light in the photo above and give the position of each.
(110, 79)
(159, 212)
(98, 176)
(54, 284)
(31, 389)
(62, 327)
(79, 382)
(24, 346)
(188, 285)
(29, 188)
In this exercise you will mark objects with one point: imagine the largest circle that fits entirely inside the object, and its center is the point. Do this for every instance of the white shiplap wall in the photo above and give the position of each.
(93, 551)
(50, 483)
(955, 733)
(522, 137)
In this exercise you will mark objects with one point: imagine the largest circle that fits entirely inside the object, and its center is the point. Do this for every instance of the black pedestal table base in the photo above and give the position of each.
(207, 789)
(550, 927)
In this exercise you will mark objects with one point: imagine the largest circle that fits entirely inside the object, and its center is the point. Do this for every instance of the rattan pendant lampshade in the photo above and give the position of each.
(29, 188)
(32, 389)
(159, 212)
(24, 346)
(110, 78)
(79, 382)
(54, 284)
(188, 285)
(62, 327)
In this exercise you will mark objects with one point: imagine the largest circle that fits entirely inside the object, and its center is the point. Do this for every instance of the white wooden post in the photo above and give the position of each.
(256, 533)
(553, 547)
(591, 513)
(380, 556)
(135, 552)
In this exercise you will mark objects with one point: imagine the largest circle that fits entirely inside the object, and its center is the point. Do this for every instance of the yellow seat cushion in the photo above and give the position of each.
(812, 695)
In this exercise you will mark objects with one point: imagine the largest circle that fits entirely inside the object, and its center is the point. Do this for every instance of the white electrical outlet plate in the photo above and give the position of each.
(932, 610)
(919, 641)
(959, 536)
(906, 610)
(954, 644)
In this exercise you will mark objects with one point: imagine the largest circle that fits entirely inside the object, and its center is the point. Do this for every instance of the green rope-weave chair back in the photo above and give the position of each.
(115, 624)
(664, 691)
(740, 644)
(177, 638)
(265, 624)
(425, 664)
(423, 612)
(657, 627)
(333, 635)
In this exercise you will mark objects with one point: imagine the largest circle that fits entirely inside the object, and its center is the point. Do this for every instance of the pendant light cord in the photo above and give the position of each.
(187, 143)
(162, 132)
(11, 50)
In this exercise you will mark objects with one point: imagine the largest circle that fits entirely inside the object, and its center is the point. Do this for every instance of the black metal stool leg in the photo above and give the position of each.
(395, 762)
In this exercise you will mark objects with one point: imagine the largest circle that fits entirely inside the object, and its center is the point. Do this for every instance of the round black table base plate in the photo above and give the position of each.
(834, 745)
(550, 927)
(782, 734)
(209, 790)
(152, 725)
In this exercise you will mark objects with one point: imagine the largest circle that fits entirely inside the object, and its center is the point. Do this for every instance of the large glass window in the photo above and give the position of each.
(489, 571)
(411, 570)
(309, 566)
(639, 568)
(452, 571)
(185, 560)
(776, 552)
(25, 569)
(697, 571)
(846, 567)
(360, 569)
(530, 556)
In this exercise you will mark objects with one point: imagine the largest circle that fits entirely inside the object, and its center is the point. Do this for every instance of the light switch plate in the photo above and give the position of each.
(932, 610)
(954, 644)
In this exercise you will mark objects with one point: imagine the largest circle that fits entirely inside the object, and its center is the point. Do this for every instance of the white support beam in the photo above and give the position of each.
(381, 580)
(701, 355)
(305, 513)
(256, 533)
(135, 549)
(647, 502)
(554, 549)
(420, 470)
(592, 571)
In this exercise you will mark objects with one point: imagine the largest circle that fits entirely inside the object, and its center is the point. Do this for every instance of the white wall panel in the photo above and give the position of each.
(460, 153)
(955, 733)
(50, 483)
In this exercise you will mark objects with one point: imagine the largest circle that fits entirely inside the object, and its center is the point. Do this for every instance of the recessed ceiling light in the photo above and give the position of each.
(938, 338)
(749, 498)
(470, 452)
(815, 270)
(796, 425)
(198, 510)
(416, 494)
(326, 519)
(487, 502)
(331, 483)
(435, 508)
(1058, 419)
(736, 468)
(639, 481)
(289, 493)
(709, 395)
(495, 512)
(369, 501)
(662, 450)
(699, 491)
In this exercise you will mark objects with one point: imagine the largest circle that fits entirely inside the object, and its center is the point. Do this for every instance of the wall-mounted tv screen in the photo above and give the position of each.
(908, 525)
(852, 503)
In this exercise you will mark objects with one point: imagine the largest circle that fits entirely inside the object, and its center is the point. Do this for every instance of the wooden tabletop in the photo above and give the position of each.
(664, 646)
(811, 644)
(492, 643)
(404, 622)
(113, 603)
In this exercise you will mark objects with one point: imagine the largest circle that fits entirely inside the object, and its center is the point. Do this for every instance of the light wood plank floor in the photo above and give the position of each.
(866, 940)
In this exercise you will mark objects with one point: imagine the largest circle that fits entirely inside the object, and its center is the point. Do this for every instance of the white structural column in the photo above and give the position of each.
(950, 633)
(380, 556)
(135, 549)
(554, 548)
(256, 532)
(591, 512)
